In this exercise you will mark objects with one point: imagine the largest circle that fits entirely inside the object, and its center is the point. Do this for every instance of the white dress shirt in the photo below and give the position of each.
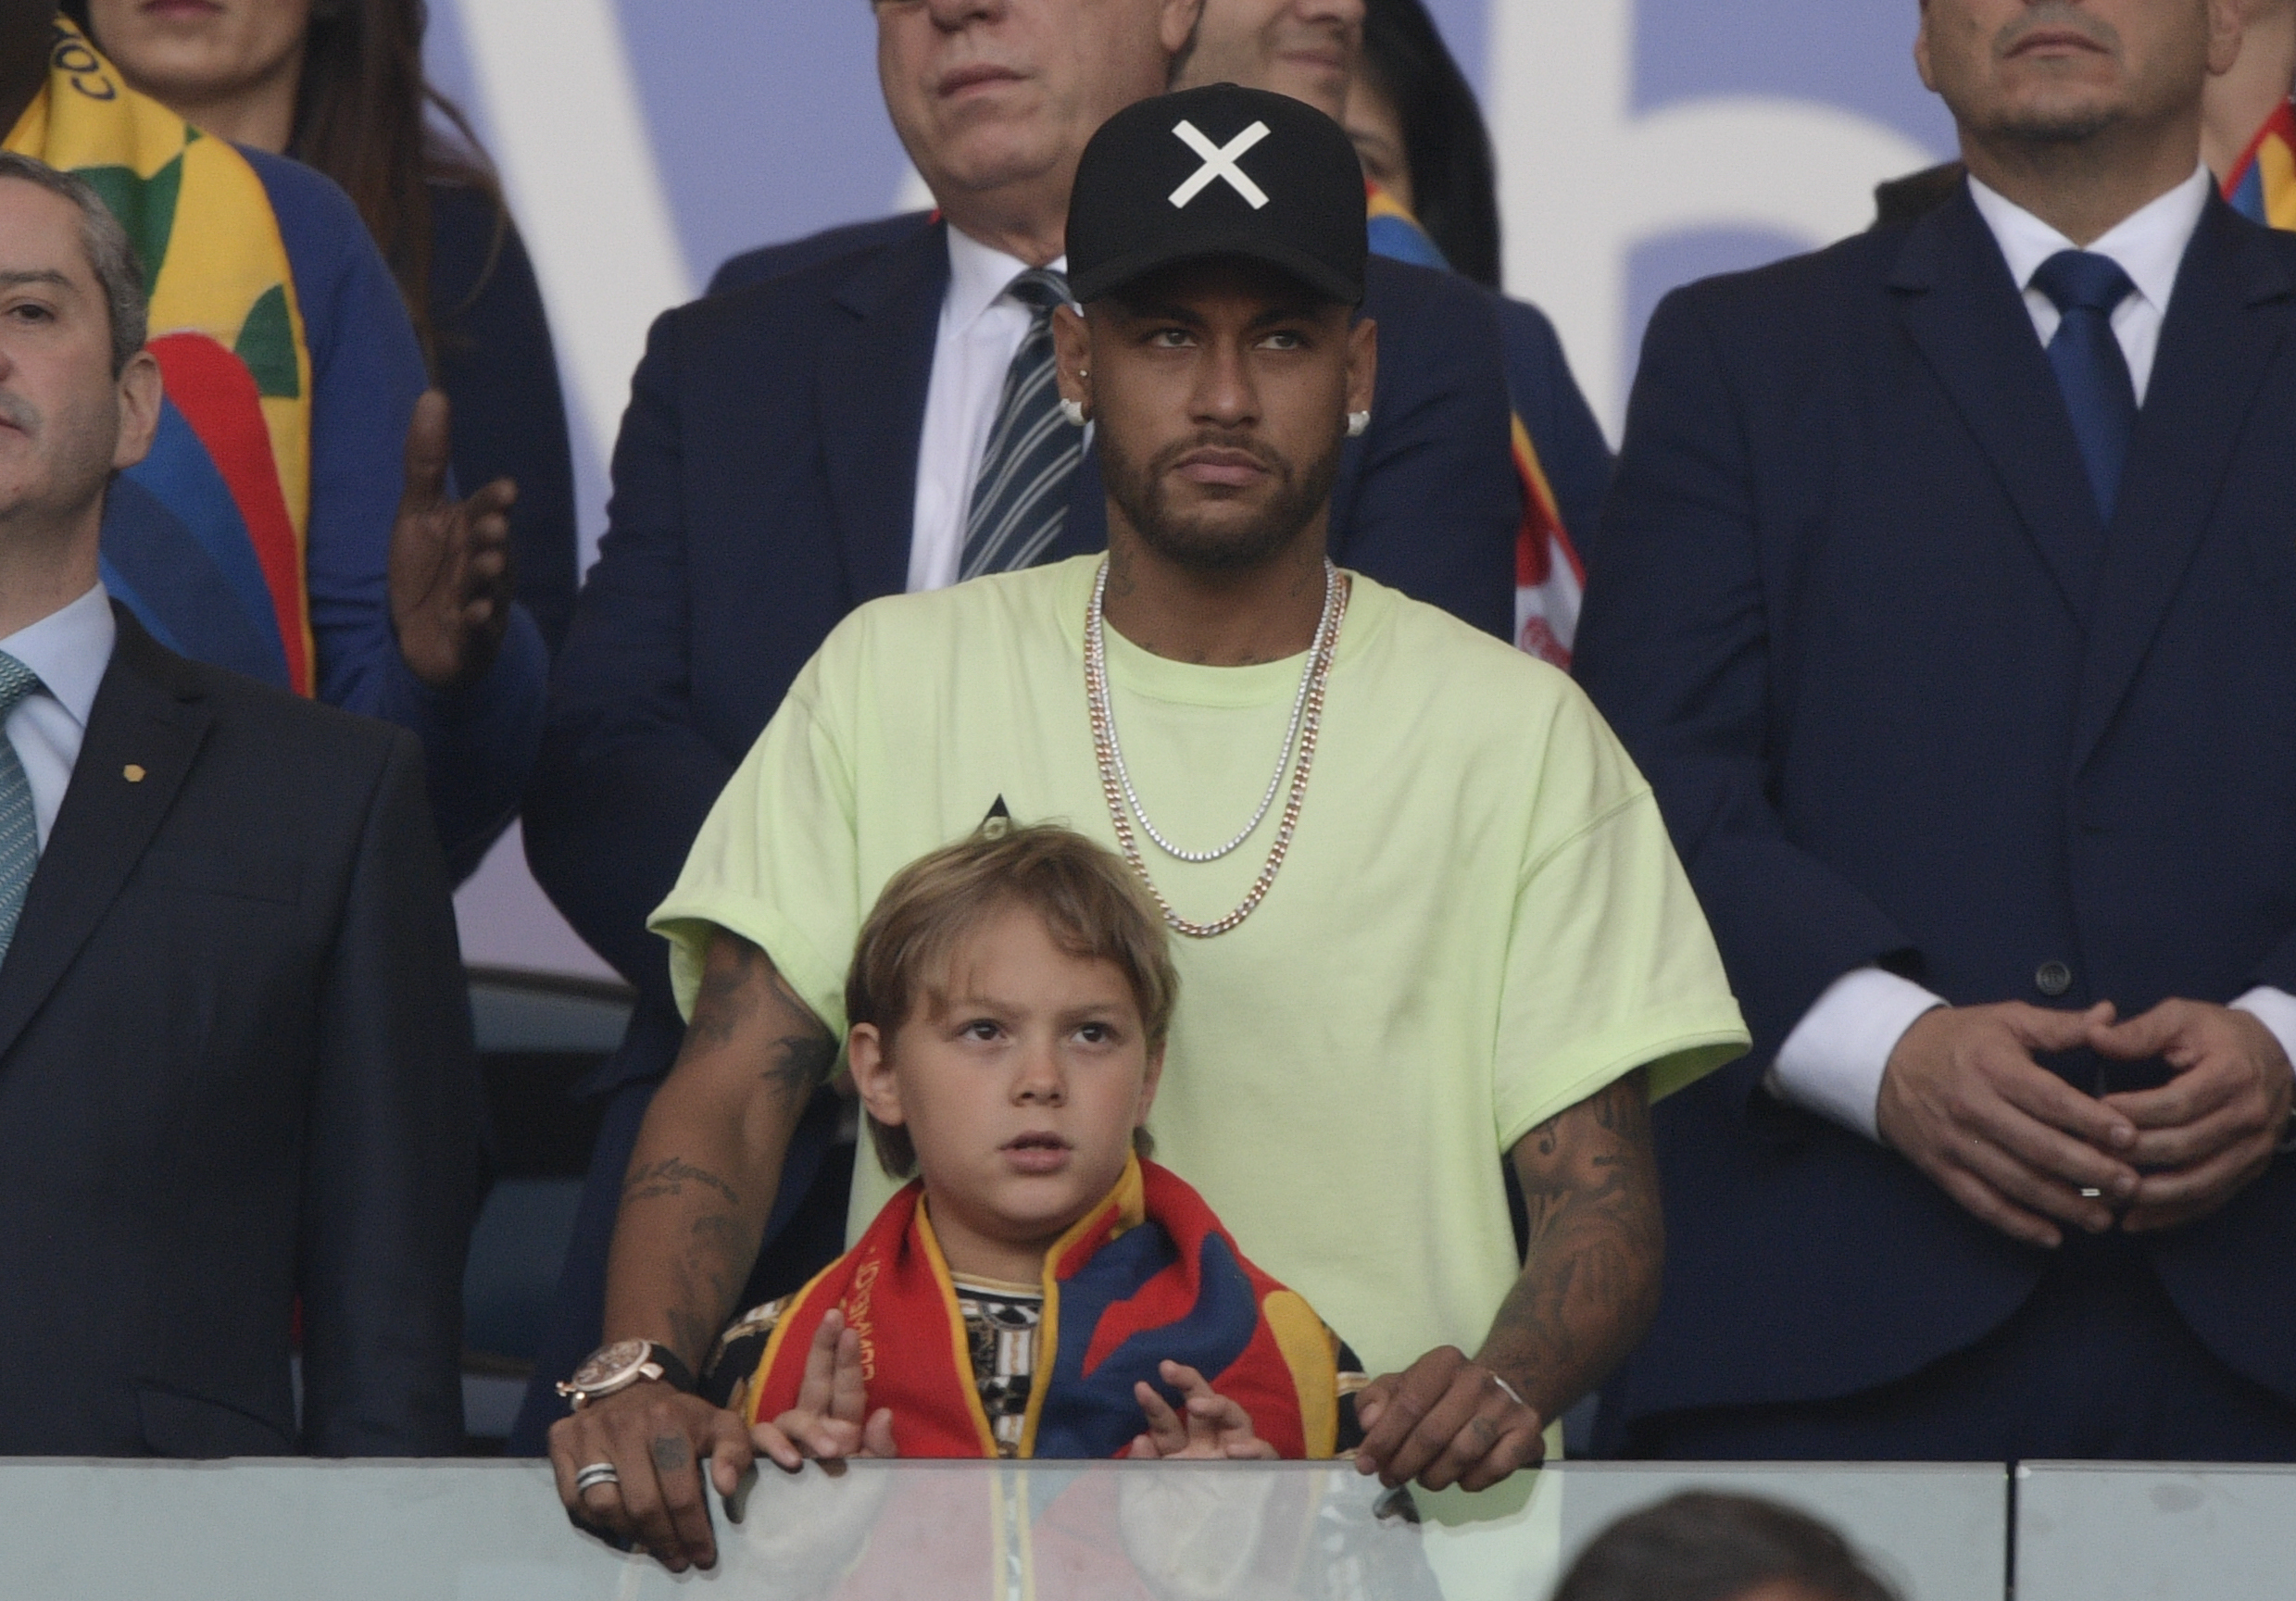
(70, 649)
(1832, 1063)
(982, 328)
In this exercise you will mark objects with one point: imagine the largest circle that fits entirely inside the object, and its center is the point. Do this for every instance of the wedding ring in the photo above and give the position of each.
(596, 1473)
(1508, 1390)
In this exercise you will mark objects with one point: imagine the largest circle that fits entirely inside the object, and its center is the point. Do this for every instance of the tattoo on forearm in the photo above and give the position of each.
(1589, 1283)
(738, 980)
(710, 1274)
(669, 1177)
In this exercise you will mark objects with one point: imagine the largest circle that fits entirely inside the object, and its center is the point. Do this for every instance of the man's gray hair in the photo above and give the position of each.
(110, 257)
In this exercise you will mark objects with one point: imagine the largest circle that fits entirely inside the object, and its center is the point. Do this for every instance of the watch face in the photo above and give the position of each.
(607, 1365)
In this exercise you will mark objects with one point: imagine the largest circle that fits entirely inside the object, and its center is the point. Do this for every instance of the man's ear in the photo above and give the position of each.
(1362, 363)
(1921, 51)
(872, 1074)
(2225, 32)
(1072, 353)
(1176, 27)
(139, 389)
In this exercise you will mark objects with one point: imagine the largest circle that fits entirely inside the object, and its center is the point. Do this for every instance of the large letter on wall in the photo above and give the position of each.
(1584, 179)
(575, 151)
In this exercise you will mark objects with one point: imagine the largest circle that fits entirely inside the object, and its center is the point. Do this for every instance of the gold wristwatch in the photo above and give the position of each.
(625, 1362)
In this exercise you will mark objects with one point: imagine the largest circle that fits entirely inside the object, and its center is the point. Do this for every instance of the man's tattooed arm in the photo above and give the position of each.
(1590, 1279)
(708, 1157)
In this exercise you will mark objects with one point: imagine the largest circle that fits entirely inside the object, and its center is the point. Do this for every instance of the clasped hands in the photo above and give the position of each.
(1964, 1101)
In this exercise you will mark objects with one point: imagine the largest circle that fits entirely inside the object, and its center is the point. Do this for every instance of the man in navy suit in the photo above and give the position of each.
(1948, 598)
(834, 425)
(236, 1082)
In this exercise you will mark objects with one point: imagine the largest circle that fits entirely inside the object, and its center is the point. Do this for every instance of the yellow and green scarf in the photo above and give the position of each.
(231, 466)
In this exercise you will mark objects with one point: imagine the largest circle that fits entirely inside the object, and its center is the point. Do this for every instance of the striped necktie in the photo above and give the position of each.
(1020, 501)
(19, 829)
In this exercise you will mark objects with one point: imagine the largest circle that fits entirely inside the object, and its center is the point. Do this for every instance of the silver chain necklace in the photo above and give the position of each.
(1116, 784)
(1096, 667)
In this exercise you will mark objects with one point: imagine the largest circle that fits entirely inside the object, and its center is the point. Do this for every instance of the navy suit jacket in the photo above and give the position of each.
(1906, 701)
(235, 1076)
(763, 487)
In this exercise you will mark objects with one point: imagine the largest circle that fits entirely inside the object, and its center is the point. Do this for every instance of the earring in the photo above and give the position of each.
(1073, 410)
(1358, 424)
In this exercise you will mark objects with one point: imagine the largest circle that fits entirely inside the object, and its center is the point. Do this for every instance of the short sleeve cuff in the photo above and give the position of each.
(1832, 1063)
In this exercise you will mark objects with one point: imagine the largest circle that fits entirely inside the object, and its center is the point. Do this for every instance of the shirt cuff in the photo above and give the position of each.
(1833, 1062)
(2277, 1010)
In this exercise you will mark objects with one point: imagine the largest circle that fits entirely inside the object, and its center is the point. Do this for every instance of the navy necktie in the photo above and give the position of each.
(19, 829)
(1020, 501)
(2091, 371)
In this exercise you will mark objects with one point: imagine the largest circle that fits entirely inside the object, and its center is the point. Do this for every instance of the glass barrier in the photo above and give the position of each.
(2100, 1531)
(465, 1531)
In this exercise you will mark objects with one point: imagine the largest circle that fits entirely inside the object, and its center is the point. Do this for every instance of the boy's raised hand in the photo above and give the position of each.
(831, 1420)
(1209, 1424)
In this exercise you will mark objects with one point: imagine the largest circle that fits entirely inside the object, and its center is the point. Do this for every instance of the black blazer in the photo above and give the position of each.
(235, 1073)
(1906, 701)
(763, 487)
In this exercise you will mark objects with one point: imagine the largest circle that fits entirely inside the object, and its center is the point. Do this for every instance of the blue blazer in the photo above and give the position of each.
(763, 487)
(1906, 701)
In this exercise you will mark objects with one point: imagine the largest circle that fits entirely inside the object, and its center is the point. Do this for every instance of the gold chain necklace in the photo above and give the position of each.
(1112, 767)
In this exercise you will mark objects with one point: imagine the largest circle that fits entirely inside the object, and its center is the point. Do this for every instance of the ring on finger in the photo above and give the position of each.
(595, 1474)
(1508, 1391)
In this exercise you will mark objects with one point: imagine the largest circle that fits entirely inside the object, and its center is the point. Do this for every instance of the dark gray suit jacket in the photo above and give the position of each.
(236, 1077)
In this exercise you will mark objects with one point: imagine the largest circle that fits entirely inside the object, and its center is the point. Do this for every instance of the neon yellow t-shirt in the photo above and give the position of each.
(1480, 924)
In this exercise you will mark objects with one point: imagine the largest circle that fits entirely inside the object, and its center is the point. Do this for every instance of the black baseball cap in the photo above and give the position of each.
(1219, 171)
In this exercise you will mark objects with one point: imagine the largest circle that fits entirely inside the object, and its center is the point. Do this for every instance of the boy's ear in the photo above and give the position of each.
(1148, 1080)
(872, 1073)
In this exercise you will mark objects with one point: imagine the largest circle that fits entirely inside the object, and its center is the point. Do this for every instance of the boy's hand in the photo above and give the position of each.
(1210, 1424)
(831, 1420)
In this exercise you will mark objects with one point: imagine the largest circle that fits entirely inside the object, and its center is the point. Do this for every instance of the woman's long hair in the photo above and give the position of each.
(1454, 184)
(362, 117)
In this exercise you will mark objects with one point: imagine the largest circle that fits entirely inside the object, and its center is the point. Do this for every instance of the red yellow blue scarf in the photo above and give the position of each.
(2262, 184)
(1548, 577)
(232, 464)
(1149, 1275)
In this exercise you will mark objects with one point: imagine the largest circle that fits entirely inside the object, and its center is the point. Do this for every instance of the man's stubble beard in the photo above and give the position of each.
(1144, 496)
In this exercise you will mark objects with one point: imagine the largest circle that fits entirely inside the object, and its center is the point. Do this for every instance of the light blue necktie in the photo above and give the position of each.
(2091, 372)
(19, 829)
(1019, 503)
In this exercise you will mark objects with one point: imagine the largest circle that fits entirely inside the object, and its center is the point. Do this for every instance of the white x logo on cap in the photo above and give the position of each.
(1220, 162)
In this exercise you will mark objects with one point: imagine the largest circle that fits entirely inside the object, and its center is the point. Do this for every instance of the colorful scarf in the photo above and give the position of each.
(2262, 185)
(1149, 1275)
(1549, 578)
(232, 464)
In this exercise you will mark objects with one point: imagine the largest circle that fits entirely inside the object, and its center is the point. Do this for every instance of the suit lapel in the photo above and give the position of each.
(877, 369)
(1963, 310)
(2226, 323)
(151, 715)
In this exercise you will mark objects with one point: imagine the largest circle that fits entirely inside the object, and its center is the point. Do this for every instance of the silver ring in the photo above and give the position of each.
(1508, 1391)
(596, 1473)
